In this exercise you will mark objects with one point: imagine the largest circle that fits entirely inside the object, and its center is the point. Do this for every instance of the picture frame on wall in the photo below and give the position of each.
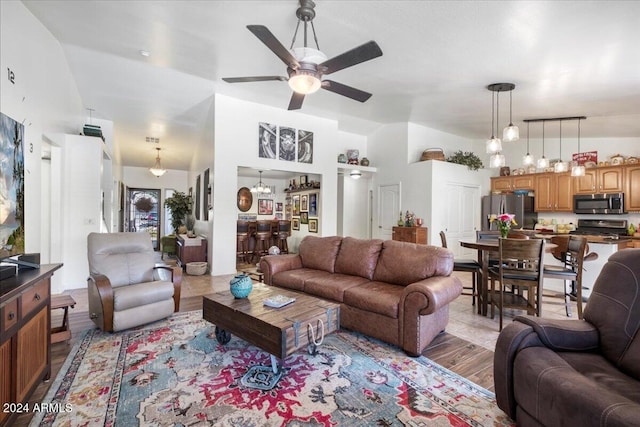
(305, 146)
(267, 136)
(304, 217)
(304, 204)
(313, 225)
(313, 204)
(265, 207)
(287, 146)
(304, 179)
(296, 204)
(295, 224)
(278, 206)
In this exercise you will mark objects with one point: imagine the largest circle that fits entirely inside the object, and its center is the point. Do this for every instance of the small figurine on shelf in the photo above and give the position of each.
(409, 219)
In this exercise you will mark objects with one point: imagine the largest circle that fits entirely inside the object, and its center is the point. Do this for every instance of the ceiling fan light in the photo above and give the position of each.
(511, 133)
(304, 84)
(493, 145)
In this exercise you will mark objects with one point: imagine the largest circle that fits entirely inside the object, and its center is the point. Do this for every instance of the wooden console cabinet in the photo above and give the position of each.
(410, 234)
(25, 337)
(190, 249)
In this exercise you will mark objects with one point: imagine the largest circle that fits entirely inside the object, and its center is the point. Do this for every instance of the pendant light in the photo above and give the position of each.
(578, 169)
(543, 162)
(527, 160)
(493, 144)
(511, 133)
(260, 187)
(560, 166)
(157, 169)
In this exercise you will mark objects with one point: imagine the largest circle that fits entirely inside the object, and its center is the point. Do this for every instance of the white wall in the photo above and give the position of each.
(236, 144)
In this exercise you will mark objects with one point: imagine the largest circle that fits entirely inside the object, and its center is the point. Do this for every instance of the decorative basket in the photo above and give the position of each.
(196, 268)
(432, 154)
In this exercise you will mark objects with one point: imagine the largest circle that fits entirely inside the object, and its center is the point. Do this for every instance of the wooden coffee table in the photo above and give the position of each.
(278, 331)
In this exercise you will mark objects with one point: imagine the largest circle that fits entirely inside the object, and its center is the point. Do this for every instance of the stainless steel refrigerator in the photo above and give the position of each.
(521, 206)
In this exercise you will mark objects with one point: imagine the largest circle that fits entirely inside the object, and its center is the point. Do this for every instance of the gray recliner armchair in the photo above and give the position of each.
(577, 372)
(125, 287)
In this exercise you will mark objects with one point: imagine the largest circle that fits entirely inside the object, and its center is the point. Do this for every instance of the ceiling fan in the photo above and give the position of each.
(306, 65)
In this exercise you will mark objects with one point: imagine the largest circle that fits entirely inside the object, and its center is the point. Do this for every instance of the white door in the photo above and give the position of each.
(389, 197)
(463, 216)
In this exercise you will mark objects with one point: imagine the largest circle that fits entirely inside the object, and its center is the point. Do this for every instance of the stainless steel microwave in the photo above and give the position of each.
(602, 203)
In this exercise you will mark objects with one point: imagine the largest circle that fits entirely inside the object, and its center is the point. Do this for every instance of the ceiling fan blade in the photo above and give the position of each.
(344, 90)
(253, 79)
(296, 101)
(267, 37)
(351, 57)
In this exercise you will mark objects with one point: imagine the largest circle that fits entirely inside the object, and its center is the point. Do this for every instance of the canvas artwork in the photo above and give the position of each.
(305, 146)
(313, 204)
(287, 148)
(267, 140)
(296, 205)
(265, 207)
(11, 186)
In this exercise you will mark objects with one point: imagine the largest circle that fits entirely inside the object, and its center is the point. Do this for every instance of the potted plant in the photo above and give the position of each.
(179, 205)
(466, 158)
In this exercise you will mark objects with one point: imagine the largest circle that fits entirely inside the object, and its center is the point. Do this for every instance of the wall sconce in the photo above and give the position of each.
(355, 174)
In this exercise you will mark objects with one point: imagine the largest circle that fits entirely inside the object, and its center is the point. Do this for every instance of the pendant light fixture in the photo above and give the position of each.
(493, 144)
(560, 166)
(527, 160)
(511, 133)
(157, 169)
(578, 169)
(260, 187)
(543, 162)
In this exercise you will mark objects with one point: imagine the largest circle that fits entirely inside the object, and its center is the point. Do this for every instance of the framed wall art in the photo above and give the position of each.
(304, 204)
(278, 206)
(305, 146)
(287, 147)
(245, 199)
(197, 207)
(304, 217)
(313, 204)
(313, 225)
(295, 224)
(267, 140)
(265, 207)
(296, 204)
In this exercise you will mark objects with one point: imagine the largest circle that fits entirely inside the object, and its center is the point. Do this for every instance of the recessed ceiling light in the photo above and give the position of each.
(145, 53)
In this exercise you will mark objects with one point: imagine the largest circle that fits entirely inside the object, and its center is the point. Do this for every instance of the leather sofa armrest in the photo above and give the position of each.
(101, 301)
(176, 279)
(431, 294)
(563, 334)
(273, 264)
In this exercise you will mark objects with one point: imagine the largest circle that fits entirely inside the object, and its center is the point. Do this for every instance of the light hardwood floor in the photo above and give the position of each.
(466, 348)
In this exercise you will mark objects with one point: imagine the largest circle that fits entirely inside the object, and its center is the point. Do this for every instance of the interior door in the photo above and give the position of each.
(463, 217)
(144, 213)
(389, 209)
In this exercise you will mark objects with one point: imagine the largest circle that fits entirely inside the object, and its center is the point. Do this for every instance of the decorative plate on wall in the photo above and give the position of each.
(245, 199)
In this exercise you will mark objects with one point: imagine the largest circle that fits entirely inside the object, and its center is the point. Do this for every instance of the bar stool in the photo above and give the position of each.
(263, 237)
(284, 231)
(242, 240)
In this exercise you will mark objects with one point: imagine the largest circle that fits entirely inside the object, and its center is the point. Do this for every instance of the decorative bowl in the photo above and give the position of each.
(241, 286)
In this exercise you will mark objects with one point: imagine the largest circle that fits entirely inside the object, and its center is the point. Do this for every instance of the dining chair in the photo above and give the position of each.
(467, 265)
(520, 265)
(571, 252)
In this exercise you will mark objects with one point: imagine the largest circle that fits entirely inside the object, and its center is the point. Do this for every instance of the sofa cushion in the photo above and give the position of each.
(332, 286)
(358, 257)
(405, 263)
(614, 309)
(295, 279)
(131, 296)
(319, 252)
(377, 297)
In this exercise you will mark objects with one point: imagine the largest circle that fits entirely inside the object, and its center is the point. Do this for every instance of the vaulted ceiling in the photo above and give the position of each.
(566, 58)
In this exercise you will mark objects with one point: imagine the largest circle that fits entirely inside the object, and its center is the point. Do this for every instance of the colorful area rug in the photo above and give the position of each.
(174, 373)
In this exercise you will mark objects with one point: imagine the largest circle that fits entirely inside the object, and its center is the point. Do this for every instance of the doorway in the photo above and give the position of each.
(143, 213)
(389, 197)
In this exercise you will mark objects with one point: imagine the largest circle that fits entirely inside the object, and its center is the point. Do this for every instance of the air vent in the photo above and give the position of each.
(152, 139)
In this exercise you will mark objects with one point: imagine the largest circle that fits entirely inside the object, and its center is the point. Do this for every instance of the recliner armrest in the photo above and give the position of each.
(176, 279)
(105, 294)
(563, 334)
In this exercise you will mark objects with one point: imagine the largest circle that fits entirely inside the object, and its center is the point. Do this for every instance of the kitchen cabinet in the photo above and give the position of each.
(632, 189)
(25, 335)
(510, 183)
(410, 234)
(554, 192)
(600, 180)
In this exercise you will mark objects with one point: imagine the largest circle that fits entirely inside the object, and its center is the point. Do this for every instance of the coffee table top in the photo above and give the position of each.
(278, 331)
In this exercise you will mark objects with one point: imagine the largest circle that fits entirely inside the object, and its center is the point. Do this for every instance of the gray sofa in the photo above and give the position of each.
(577, 372)
(396, 292)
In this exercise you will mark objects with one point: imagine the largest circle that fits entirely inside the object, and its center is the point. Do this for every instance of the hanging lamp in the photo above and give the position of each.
(527, 160)
(157, 169)
(578, 169)
(543, 162)
(511, 133)
(493, 144)
(260, 187)
(560, 166)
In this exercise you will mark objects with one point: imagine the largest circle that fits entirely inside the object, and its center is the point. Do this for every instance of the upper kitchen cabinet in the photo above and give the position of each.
(632, 189)
(600, 180)
(506, 184)
(553, 192)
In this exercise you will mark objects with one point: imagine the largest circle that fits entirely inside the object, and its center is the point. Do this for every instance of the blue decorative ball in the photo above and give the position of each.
(241, 286)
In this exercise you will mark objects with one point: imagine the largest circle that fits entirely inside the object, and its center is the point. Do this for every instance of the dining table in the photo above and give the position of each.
(485, 247)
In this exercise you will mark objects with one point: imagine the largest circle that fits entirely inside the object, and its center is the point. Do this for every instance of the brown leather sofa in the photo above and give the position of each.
(396, 292)
(577, 372)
